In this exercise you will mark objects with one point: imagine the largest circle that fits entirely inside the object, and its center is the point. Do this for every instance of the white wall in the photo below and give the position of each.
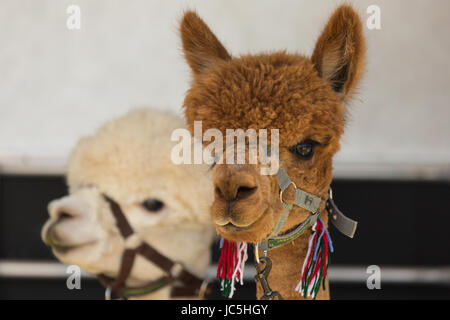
(57, 85)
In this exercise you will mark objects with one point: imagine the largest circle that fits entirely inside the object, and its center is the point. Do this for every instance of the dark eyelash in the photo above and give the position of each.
(313, 142)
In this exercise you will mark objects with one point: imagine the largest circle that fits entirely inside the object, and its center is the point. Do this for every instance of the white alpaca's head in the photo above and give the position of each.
(167, 205)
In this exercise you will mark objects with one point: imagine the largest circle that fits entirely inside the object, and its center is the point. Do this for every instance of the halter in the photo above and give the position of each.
(306, 201)
(183, 283)
(309, 202)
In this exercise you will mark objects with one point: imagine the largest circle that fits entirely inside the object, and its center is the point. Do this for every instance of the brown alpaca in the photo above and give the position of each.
(303, 98)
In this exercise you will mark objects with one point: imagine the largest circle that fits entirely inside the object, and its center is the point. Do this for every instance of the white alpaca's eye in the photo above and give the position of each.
(153, 205)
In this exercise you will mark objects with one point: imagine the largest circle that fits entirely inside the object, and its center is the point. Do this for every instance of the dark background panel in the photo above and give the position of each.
(401, 223)
(23, 211)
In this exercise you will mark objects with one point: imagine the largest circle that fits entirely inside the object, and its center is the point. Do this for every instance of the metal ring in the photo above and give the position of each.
(257, 253)
(281, 191)
(176, 269)
(202, 290)
(108, 293)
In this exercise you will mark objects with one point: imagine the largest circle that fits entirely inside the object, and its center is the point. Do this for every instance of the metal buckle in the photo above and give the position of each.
(281, 191)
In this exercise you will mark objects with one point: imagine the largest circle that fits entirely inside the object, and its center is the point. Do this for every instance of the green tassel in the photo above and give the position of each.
(226, 287)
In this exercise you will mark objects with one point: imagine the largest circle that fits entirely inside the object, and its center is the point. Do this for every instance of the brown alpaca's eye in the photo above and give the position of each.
(153, 205)
(304, 150)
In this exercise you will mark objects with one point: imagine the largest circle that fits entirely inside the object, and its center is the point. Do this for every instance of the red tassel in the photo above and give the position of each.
(231, 265)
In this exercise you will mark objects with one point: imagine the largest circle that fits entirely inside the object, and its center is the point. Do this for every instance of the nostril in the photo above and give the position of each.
(245, 192)
(62, 215)
(218, 192)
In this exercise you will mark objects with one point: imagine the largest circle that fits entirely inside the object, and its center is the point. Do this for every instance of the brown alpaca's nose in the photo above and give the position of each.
(234, 182)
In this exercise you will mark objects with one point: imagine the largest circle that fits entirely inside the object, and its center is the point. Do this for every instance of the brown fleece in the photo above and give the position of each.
(303, 98)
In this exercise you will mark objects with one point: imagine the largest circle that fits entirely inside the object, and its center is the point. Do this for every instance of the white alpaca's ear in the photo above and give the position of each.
(201, 47)
(340, 51)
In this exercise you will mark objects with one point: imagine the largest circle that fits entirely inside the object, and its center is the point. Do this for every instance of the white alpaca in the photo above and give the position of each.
(167, 205)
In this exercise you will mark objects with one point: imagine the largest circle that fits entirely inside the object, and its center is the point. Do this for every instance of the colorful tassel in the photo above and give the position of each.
(315, 266)
(231, 265)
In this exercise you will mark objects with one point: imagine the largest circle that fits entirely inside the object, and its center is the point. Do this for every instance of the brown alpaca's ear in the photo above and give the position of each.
(340, 51)
(201, 47)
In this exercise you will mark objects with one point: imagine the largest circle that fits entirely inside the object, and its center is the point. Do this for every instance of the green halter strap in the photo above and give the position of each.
(309, 202)
(304, 200)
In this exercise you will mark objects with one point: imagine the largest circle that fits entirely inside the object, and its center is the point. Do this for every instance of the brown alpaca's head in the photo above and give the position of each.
(302, 97)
